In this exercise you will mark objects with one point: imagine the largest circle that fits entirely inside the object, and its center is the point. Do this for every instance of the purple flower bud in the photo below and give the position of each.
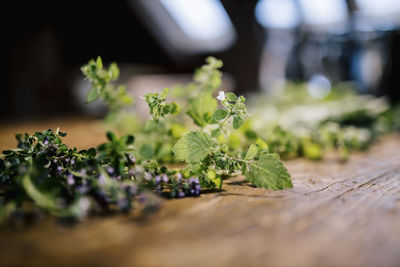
(70, 179)
(102, 179)
(181, 194)
(59, 168)
(179, 175)
(123, 204)
(158, 179)
(159, 189)
(164, 178)
(83, 189)
(110, 170)
(67, 160)
(72, 161)
(197, 187)
(132, 159)
(131, 189)
(147, 176)
(46, 142)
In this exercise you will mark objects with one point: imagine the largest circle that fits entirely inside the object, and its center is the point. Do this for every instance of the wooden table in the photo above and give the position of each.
(336, 215)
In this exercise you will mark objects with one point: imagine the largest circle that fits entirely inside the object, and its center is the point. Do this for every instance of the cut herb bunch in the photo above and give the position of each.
(205, 131)
(43, 175)
(208, 150)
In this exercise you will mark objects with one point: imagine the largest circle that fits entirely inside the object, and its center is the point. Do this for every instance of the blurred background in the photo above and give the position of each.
(263, 43)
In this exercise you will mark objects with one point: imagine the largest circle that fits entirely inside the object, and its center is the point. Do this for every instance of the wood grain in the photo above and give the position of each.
(336, 215)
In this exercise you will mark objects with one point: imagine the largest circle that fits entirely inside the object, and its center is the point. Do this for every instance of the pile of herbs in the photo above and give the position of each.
(293, 124)
(188, 144)
(43, 175)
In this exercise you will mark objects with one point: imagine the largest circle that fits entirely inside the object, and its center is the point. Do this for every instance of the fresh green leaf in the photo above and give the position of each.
(200, 106)
(42, 200)
(146, 151)
(92, 95)
(268, 172)
(215, 132)
(99, 62)
(111, 136)
(164, 93)
(192, 147)
(237, 122)
(113, 71)
(231, 97)
(219, 114)
(129, 139)
(251, 152)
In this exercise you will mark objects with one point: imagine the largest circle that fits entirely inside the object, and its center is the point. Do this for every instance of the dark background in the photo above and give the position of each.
(47, 41)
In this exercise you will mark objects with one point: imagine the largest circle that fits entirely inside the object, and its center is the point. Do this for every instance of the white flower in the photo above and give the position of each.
(221, 95)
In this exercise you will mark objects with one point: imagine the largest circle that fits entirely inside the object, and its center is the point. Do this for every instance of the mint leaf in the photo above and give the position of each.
(192, 147)
(164, 93)
(251, 152)
(92, 95)
(113, 71)
(268, 172)
(231, 97)
(42, 200)
(237, 122)
(219, 114)
(215, 132)
(198, 107)
(146, 151)
(99, 62)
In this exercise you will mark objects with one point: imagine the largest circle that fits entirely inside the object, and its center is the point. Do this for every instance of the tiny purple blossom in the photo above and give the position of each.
(164, 178)
(131, 189)
(147, 176)
(132, 159)
(110, 170)
(102, 179)
(70, 179)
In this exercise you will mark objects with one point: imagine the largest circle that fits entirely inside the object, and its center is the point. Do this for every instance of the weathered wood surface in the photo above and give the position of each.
(336, 215)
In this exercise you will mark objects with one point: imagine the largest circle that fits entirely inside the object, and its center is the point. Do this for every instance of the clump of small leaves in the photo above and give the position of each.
(209, 156)
(207, 152)
(43, 175)
(302, 126)
(114, 97)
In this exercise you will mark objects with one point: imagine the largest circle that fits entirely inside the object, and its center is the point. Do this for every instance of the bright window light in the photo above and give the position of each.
(379, 7)
(319, 86)
(281, 14)
(319, 12)
(199, 19)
